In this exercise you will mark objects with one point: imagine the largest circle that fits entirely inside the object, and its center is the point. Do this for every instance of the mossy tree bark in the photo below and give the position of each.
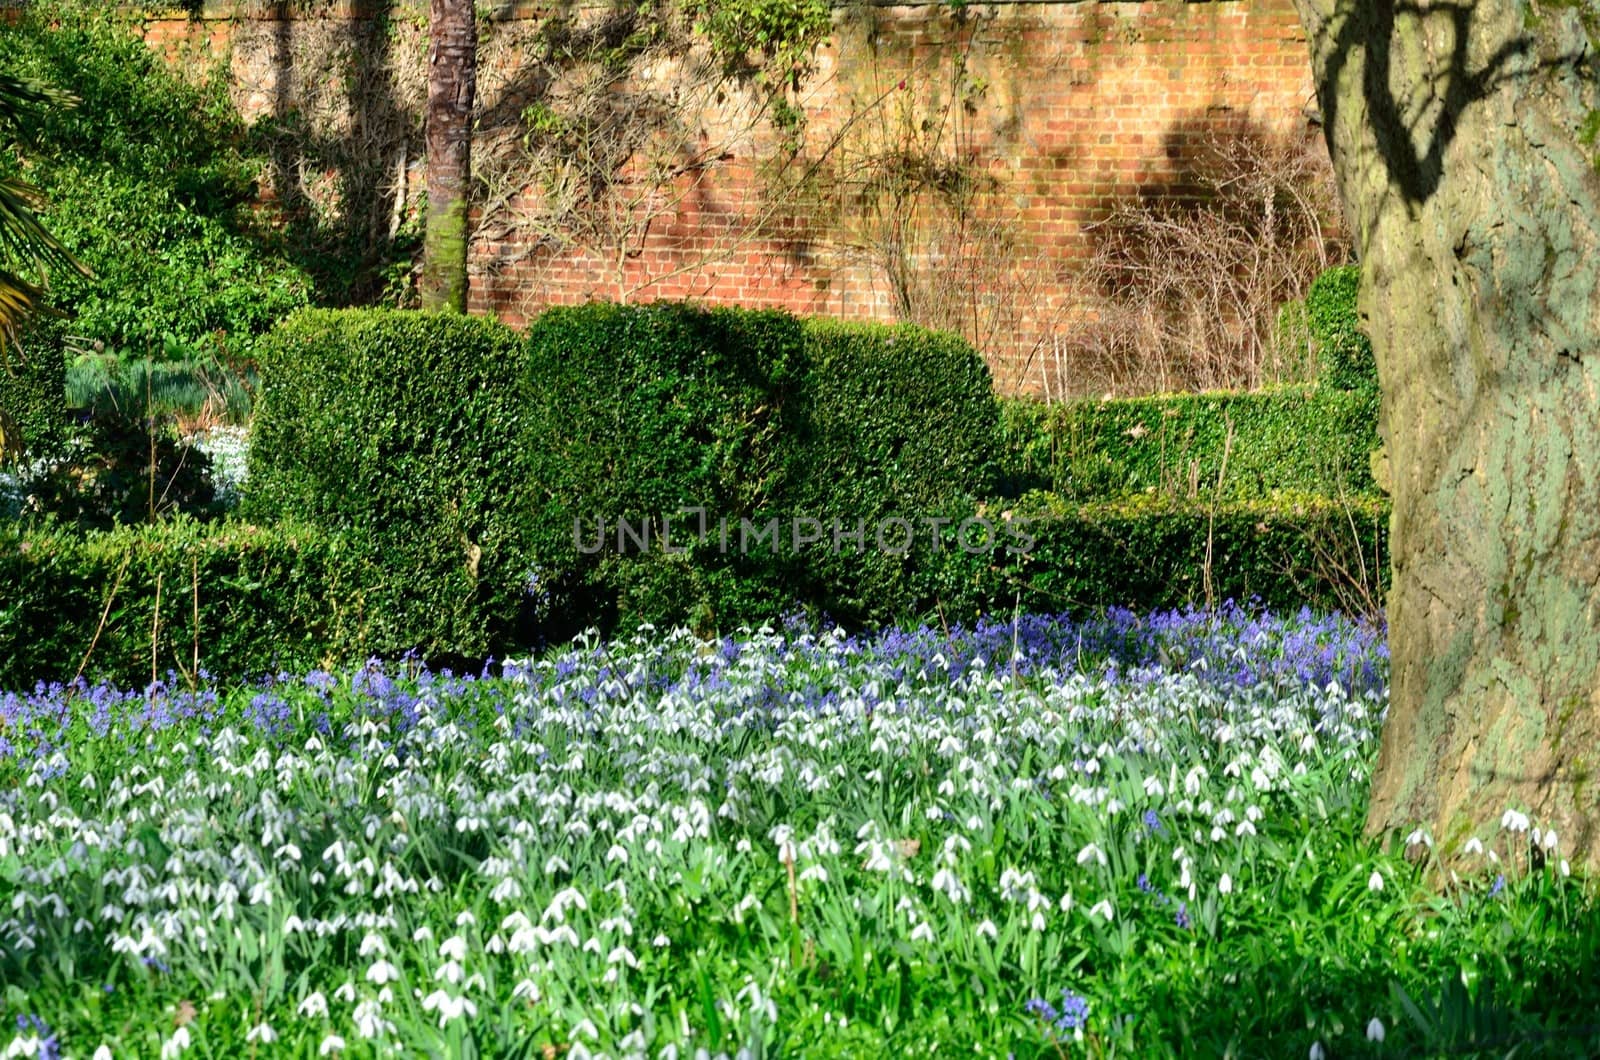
(1456, 130)
(452, 86)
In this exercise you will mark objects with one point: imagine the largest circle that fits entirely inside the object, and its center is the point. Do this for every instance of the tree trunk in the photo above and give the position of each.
(1455, 135)
(452, 84)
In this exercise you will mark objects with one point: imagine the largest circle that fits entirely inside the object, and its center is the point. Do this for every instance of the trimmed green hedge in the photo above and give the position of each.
(268, 598)
(1150, 551)
(1345, 352)
(400, 434)
(900, 423)
(641, 411)
(33, 398)
(1301, 438)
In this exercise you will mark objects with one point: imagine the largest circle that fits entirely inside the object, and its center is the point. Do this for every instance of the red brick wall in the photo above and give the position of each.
(1063, 108)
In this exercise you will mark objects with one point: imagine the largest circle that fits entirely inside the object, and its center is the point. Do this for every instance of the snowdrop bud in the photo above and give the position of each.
(1375, 1030)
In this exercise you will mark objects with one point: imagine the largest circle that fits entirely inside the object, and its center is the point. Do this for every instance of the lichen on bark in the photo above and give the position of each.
(1455, 131)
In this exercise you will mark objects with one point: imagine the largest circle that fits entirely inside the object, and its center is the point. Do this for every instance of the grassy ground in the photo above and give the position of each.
(1129, 836)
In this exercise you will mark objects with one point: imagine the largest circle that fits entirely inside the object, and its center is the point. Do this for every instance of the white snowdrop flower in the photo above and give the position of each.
(526, 989)
(1375, 1031)
(584, 1028)
(314, 1006)
(263, 1033)
(449, 971)
(987, 929)
(293, 925)
(660, 941)
(102, 1053)
(554, 864)
(1102, 909)
(1549, 841)
(1419, 837)
(422, 934)
(448, 1008)
(369, 1021)
(1038, 923)
(1065, 905)
(814, 872)
(1244, 828)
(454, 947)
(261, 894)
(1218, 834)
(1225, 885)
(1091, 853)
(465, 918)
(1375, 881)
(1474, 846)
(1317, 1052)
(346, 993)
(506, 890)
(370, 944)
(922, 933)
(289, 851)
(1512, 821)
(330, 1045)
(382, 972)
(175, 1045)
(617, 852)
(743, 846)
(1566, 870)
(622, 955)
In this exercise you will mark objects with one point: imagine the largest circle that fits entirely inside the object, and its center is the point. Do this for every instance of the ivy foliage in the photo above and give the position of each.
(150, 184)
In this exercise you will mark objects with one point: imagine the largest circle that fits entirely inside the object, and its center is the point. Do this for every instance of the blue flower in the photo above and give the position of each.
(1038, 1006)
(1074, 1011)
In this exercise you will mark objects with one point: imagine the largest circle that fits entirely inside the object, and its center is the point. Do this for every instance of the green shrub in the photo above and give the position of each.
(1344, 351)
(399, 434)
(149, 185)
(33, 408)
(641, 411)
(266, 599)
(121, 469)
(1300, 438)
(898, 422)
(1151, 551)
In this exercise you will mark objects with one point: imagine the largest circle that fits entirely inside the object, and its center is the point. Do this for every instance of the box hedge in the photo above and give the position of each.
(638, 412)
(1344, 352)
(33, 400)
(1151, 551)
(1309, 439)
(266, 597)
(754, 420)
(399, 435)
